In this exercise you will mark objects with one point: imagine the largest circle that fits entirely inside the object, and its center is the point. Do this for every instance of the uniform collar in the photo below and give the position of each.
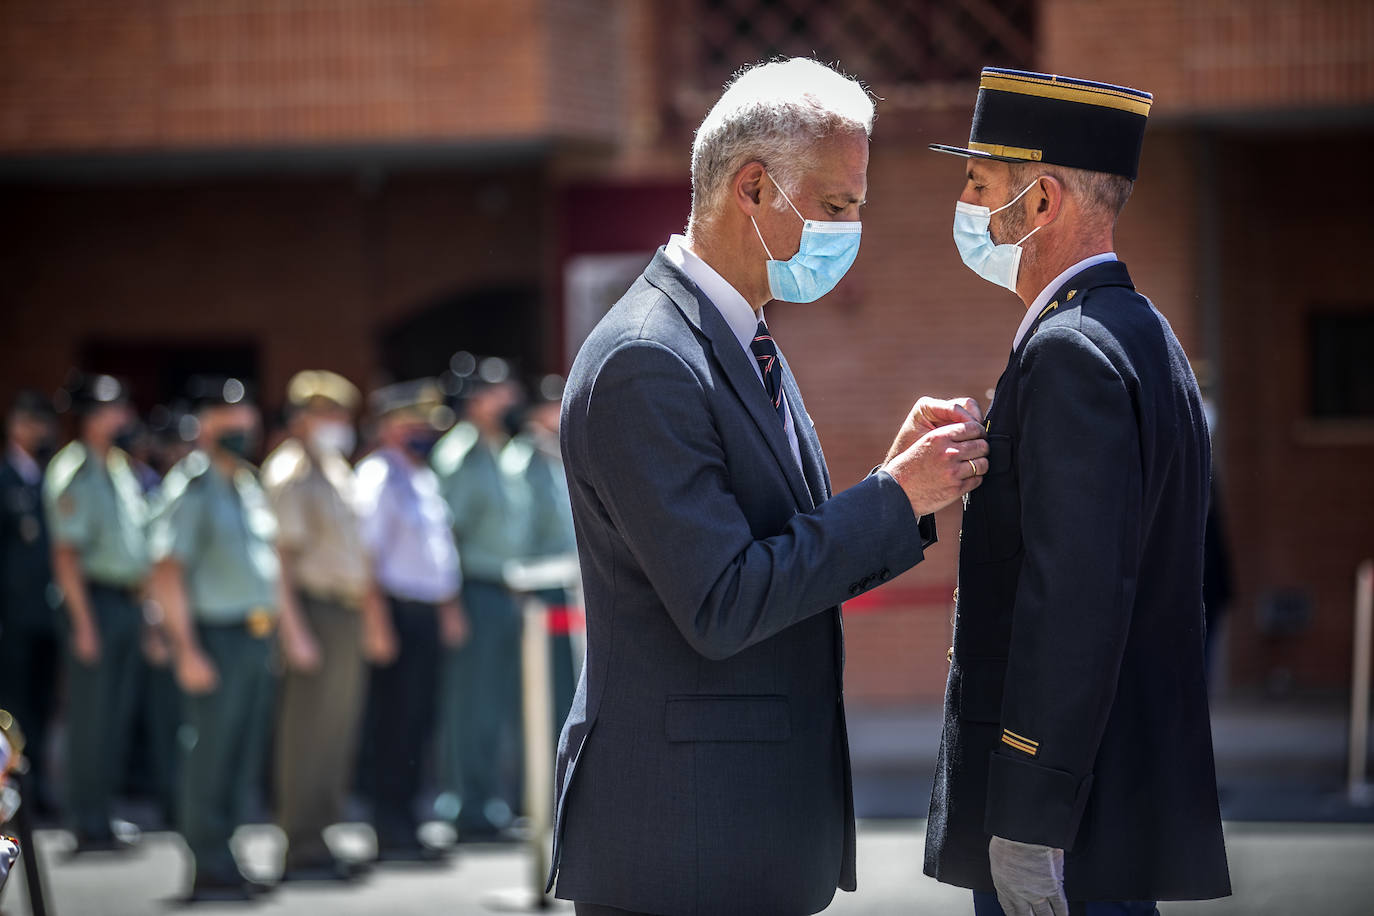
(1046, 294)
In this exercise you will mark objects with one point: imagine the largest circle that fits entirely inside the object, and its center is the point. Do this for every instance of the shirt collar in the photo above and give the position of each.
(23, 462)
(733, 307)
(1043, 299)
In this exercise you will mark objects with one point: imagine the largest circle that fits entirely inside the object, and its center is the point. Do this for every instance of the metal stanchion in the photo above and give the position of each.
(538, 731)
(28, 850)
(1358, 789)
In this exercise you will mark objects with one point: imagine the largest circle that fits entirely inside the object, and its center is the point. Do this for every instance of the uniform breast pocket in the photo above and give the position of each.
(992, 529)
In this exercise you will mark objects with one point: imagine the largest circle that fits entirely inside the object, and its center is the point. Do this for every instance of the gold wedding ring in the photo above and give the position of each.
(972, 465)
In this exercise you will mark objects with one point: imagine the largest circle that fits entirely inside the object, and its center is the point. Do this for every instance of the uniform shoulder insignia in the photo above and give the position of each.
(454, 447)
(62, 470)
(194, 466)
(1072, 293)
(516, 456)
(286, 463)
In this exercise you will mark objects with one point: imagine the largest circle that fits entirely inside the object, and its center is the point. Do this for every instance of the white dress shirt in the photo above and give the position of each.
(406, 528)
(736, 311)
(1043, 299)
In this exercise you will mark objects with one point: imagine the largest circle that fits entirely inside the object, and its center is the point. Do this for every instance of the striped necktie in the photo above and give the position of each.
(766, 352)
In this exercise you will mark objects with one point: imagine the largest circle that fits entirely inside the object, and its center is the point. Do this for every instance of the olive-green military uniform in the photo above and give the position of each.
(480, 698)
(221, 530)
(532, 462)
(97, 508)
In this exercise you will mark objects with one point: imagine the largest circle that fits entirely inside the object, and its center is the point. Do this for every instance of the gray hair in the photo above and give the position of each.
(773, 113)
(1101, 194)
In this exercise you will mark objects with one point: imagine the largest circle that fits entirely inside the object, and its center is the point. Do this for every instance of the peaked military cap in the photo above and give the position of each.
(204, 391)
(1039, 117)
(85, 392)
(421, 398)
(320, 385)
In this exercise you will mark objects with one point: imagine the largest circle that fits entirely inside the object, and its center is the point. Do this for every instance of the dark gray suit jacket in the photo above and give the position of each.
(704, 768)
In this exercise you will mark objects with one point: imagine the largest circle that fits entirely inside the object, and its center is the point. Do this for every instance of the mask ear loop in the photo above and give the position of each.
(1003, 207)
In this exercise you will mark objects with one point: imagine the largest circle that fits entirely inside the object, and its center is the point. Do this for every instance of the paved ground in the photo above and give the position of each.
(1278, 869)
(1296, 845)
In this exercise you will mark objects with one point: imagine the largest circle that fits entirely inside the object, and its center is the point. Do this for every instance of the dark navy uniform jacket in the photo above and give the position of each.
(1076, 711)
(25, 562)
(704, 768)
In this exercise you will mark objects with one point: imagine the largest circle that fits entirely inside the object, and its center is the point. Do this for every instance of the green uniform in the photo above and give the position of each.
(221, 530)
(532, 462)
(96, 507)
(479, 701)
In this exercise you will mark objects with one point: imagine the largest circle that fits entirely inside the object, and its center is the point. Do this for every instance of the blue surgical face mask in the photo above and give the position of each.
(827, 249)
(995, 263)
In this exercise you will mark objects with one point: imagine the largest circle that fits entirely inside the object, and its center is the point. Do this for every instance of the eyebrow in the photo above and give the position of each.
(845, 196)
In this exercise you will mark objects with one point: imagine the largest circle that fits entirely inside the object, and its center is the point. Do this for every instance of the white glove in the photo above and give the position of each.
(1029, 878)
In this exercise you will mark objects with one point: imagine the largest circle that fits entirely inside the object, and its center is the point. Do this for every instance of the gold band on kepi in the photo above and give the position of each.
(1059, 120)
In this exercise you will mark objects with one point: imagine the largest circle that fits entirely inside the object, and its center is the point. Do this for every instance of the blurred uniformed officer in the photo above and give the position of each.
(96, 518)
(406, 528)
(534, 463)
(310, 485)
(479, 705)
(29, 643)
(216, 578)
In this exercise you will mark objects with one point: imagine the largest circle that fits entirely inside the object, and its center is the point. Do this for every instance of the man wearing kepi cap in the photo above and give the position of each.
(217, 579)
(1076, 763)
(407, 530)
(324, 563)
(96, 516)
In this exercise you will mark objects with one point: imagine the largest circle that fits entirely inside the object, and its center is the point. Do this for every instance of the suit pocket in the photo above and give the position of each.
(981, 683)
(995, 507)
(727, 718)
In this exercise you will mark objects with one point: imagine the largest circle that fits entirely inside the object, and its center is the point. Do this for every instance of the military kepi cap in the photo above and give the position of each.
(208, 391)
(1038, 117)
(320, 386)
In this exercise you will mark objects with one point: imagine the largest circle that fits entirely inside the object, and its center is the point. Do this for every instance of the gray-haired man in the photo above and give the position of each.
(704, 767)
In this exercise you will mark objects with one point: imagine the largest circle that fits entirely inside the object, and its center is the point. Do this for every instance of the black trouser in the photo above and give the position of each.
(100, 711)
(28, 689)
(400, 721)
(480, 707)
(224, 743)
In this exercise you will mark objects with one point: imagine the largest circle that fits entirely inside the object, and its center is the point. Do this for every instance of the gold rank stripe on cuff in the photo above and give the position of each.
(1025, 745)
(1051, 88)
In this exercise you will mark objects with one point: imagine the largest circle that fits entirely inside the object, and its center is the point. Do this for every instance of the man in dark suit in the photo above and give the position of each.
(1076, 763)
(704, 768)
(29, 638)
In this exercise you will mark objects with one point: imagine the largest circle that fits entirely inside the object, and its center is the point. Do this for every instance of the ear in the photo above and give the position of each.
(747, 188)
(1046, 200)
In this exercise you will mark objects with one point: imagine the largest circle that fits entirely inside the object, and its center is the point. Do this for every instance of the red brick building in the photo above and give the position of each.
(369, 185)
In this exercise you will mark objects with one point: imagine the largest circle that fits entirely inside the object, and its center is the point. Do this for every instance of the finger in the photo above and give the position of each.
(1058, 905)
(972, 407)
(969, 448)
(960, 432)
(969, 484)
(1013, 906)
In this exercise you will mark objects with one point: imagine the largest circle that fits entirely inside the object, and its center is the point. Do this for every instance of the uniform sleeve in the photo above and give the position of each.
(288, 504)
(1079, 463)
(374, 509)
(175, 532)
(69, 509)
(651, 449)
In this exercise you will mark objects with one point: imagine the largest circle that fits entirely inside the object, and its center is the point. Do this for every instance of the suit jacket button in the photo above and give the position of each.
(885, 574)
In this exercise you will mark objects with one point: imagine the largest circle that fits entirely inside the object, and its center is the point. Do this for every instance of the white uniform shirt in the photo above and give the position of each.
(735, 309)
(406, 528)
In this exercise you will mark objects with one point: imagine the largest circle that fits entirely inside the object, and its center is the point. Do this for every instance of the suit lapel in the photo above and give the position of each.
(702, 314)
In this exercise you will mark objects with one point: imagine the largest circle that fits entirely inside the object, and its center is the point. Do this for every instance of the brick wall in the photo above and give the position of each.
(1211, 56)
(77, 75)
(309, 271)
